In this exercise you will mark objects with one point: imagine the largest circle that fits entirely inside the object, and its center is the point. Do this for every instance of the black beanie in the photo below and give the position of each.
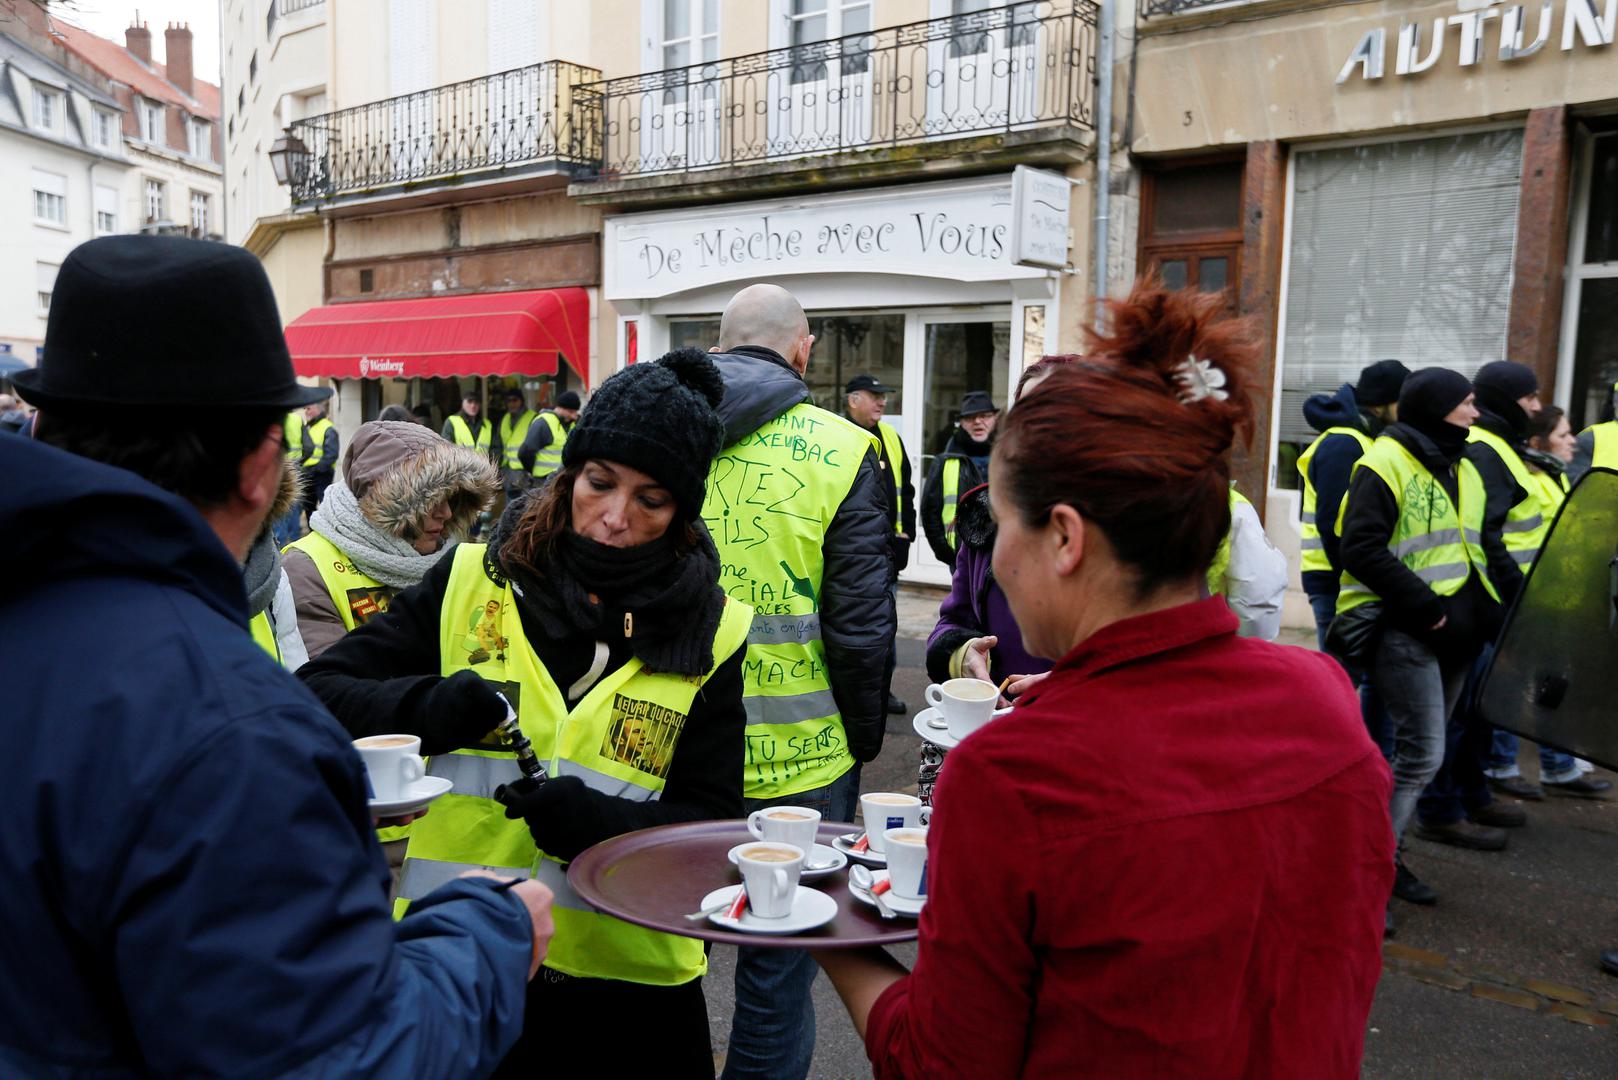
(1380, 383)
(1431, 394)
(568, 400)
(1508, 378)
(658, 418)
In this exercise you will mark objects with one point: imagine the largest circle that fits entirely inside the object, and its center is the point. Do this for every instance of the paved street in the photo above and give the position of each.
(1497, 981)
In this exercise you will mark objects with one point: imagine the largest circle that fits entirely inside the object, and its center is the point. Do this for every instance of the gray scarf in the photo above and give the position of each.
(262, 573)
(390, 559)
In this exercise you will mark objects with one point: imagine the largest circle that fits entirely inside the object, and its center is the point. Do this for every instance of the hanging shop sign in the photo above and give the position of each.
(1419, 47)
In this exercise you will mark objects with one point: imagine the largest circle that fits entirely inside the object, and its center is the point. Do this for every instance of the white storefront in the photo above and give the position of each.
(936, 289)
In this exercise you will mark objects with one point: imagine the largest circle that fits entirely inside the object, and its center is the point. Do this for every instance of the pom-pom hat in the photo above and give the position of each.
(658, 418)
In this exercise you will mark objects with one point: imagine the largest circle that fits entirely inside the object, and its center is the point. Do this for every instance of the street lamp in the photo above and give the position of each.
(289, 157)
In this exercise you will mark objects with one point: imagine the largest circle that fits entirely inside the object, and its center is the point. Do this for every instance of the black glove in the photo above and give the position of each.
(460, 711)
(563, 816)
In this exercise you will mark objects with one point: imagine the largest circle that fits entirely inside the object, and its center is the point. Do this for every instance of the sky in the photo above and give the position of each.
(108, 18)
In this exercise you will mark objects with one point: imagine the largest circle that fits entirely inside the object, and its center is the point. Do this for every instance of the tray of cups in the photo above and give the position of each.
(660, 877)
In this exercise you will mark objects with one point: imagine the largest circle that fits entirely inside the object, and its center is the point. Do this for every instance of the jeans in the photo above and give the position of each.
(288, 527)
(772, 1032)
(1460, 787)
(1501, 761)
(1377, 724)
(1419, 695)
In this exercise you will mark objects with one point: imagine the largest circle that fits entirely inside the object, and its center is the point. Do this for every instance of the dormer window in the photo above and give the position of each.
(47, 109)
(201, 135)
(151, 121)
(104, 129)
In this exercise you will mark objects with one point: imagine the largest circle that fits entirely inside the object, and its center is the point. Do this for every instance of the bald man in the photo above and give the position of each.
(799, 512)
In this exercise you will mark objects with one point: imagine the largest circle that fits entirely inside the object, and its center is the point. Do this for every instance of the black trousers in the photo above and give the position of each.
(603, 1027)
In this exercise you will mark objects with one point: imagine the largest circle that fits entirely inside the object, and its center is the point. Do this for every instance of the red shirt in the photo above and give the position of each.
(1170, 861)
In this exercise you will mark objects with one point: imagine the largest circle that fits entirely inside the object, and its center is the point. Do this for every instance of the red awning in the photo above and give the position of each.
(508, 333)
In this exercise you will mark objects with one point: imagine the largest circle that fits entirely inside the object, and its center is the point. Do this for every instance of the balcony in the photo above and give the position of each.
(281, 8)
(978, 89)
(513, 124)
(1161, 9)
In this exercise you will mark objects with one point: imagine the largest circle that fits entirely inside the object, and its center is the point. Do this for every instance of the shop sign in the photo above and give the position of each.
(1419, 47)
(1040, 200)
(963, 231)
(377, 368)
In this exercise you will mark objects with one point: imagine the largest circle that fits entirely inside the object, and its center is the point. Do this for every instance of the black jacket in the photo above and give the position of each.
(474, 424)
(896, 481)
(932, 495)
(1501, 493)
(857, 623)
(1329, 471)
(538, 438)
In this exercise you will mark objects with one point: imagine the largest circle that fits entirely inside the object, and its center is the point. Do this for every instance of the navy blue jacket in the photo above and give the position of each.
(1329, 470)
(192, 884)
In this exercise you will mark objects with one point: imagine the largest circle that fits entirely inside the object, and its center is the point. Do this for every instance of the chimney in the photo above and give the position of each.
(177, 56)
(138, 40)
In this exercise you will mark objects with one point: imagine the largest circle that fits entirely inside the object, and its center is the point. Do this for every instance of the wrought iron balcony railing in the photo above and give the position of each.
(1020, 66)
(524, 117)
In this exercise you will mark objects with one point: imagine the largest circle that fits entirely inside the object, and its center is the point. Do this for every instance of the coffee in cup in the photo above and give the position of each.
(967, 704)
(795, 825)
(770, 872)
(907, 862)
(392, 763)
(883, 810)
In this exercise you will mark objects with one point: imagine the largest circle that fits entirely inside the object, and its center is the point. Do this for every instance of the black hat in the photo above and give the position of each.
(1380, 383)
(515, 392)
(866, 382)
(658, 418)
(568, 400)
(163, 320)
(1510, 379)
(977, 401)
(1431, 394)
(471, 395)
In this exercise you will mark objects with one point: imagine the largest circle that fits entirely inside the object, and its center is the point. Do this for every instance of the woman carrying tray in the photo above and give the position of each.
(595, 610)
(1173, 857)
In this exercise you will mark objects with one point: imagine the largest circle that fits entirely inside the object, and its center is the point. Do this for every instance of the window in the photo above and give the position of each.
(821, 20)
(690, 36)
(230, 127)
(1191, 229)
(252, 67)
(47, 108)
(154, 201)
(105, 129)
(199, 213)
(106, 209)
(241, 99)
(151, 121)
(50, 198)
(201, 138)
(46, 273)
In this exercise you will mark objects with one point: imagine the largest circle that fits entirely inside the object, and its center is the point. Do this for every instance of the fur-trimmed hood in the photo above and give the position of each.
(400, 471)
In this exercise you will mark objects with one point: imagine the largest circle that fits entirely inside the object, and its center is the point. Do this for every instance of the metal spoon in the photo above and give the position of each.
(864, 879)
(711, 909)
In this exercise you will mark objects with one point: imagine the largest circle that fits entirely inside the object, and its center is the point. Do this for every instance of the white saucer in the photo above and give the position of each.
(416, 797)
(899, 904)
(938, 736)
(819, 853)
(810, 908)
(868, 857)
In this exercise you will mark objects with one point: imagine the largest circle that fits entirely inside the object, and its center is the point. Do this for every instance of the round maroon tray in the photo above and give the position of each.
(654, 877)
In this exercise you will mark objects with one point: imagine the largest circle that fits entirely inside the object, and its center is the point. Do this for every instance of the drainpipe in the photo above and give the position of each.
(1103, 189)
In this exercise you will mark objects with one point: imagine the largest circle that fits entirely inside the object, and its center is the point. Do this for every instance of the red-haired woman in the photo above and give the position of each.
(1214, 907)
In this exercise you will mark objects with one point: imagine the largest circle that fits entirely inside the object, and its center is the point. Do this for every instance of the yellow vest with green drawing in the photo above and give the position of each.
(1605, 452)
(317, 440)
(463, 434)
(1219, 569)
(619, 739)
(1438, 541)
(771, 497)
(264, 635)
(1526, 523)
(512, 431)
(896, 456)
(1314, 552)
(952, 499)
(294, 434)
(549, 458)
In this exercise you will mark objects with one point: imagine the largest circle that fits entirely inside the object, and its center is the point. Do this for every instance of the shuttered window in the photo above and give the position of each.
(513, 34)
(1400, 250)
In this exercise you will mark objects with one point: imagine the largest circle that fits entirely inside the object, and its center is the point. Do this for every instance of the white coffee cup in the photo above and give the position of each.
(967, 704)
(770, 871)
(392, 763)
(795, 825)
(907, 862)
(884, 810)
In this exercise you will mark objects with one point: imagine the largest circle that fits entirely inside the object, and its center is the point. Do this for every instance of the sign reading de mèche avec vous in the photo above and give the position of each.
(1419, 48)
(977, 230)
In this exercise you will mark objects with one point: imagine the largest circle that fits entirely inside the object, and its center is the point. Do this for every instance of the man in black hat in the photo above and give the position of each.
(962, 466)
(541, 451)
(194, 858)
(865, 403)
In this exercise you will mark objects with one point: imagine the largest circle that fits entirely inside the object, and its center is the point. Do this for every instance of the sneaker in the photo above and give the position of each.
(1583, 787)
(1609, 961)
(896, 707)
(1517, 788)
(1499, 815)
(1463, 834)
(1411, 889)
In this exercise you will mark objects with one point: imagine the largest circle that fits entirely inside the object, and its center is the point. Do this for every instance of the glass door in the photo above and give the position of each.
(681, 125)
(1591, 315)
(826, 105)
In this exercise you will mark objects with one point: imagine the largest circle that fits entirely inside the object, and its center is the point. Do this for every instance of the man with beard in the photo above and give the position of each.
(962, 466)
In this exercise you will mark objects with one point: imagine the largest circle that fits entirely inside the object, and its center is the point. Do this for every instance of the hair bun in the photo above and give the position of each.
(697, 371)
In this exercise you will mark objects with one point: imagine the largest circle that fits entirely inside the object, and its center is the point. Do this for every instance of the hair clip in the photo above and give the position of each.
(1199, 379)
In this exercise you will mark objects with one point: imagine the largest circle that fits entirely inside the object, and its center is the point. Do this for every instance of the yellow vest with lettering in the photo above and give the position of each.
(317, 441)
(512, 430)
(1314, 551)
(896, 455)
(549, 458)
(463, 434)
(771, 497)
(619, 739)
(1526, 523)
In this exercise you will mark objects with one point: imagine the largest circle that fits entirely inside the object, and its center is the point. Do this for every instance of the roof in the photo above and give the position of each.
(119, 64)
(14, 53)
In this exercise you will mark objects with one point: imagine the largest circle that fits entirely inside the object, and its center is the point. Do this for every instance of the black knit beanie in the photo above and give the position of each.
(1431, 394)
(659, 418)
(1380, 383)
(1511, 379)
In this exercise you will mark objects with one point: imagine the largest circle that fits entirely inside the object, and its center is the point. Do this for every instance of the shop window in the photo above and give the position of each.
(1191, 227)
(1397, 250)
(960, 354)
(701, 334)
(1594, 297)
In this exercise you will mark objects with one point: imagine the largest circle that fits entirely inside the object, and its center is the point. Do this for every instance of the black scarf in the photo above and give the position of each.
(666, 605)
(1544, 461)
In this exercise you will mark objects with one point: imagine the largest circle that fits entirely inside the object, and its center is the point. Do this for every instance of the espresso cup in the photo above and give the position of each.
(770, 871)
(907, 862)
(884, 810)
(967, 704)
(795, 825)
(392, 763)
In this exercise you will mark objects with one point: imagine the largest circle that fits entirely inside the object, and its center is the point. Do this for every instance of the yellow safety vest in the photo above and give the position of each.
(619, 739)
(1219, 569)
(512, 432)
(317, 437)
(264, 634)
(1605, 453)
(294, 434)
(1526, 523)
(771, 498)
(952, 499)
(549, 458)
(1438, 541)
(1314, 551)
(463, 434)
(896, 455)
